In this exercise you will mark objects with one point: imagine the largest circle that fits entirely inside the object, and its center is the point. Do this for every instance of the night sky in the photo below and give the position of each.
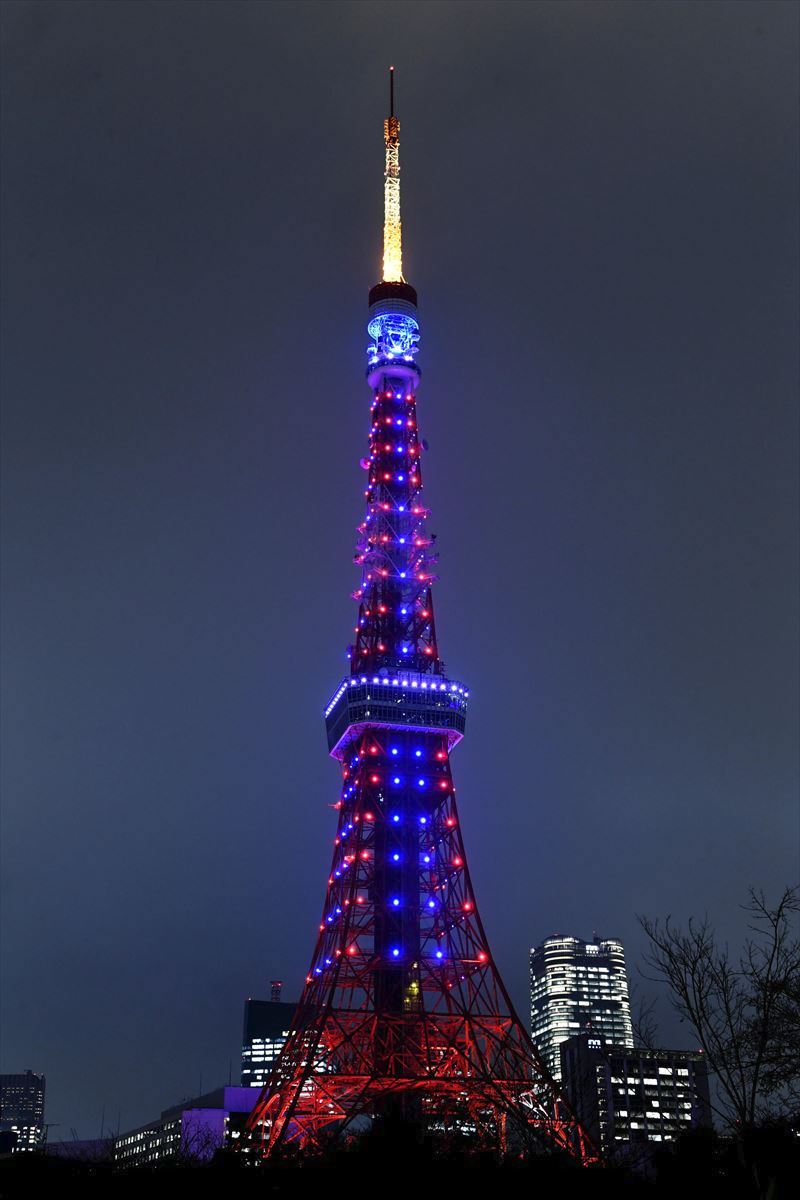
(600, 215)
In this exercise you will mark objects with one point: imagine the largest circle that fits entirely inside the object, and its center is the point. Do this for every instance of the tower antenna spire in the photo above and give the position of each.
(392, 229)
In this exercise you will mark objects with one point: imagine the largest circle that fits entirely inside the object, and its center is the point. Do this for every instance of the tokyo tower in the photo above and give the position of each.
(403, 1010)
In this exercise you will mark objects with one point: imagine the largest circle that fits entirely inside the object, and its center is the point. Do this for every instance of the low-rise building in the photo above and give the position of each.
(625, 1096)
(194, 1129)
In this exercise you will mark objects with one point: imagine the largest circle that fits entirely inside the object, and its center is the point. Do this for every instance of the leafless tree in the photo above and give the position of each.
(745, 1010)
(199, 1141)
(643, 1021)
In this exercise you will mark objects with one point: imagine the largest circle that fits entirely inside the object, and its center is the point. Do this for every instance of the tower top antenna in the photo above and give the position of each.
(392, 231)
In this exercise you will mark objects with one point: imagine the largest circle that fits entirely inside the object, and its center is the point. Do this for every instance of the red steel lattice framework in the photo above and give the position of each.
(403, 1009)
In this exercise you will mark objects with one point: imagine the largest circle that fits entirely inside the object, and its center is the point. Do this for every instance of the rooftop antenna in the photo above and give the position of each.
(391, 91)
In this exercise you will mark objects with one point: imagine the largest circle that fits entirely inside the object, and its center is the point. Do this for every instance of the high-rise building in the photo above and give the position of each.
(625, 1096)
(22, 1110)
(403, 1014)
(266, 1027)
(578, 987)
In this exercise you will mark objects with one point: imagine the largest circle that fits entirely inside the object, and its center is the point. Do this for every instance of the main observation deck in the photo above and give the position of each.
(405, 700)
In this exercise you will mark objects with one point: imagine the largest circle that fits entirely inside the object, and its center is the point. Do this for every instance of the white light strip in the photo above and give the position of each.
(406, 680)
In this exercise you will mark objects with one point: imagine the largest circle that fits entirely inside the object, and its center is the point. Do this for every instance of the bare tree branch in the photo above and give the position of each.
(745, 1012)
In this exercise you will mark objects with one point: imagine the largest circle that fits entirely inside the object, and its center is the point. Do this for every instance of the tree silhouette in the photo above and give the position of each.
(745, 1010)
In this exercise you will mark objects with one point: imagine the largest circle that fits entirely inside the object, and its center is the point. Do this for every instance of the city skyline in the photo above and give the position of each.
(610, 302)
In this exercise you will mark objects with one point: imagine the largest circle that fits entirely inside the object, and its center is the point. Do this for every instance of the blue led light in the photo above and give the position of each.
(439, 954)
(396, 902)
(392, 333)
(395, 953)
(396, 779)
(418, 754)
(395, 858)
(394, 750)
(431, 904)
(421, 782)
(396, 818)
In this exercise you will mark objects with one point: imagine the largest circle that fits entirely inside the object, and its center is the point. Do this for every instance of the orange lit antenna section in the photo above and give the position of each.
(392, 228)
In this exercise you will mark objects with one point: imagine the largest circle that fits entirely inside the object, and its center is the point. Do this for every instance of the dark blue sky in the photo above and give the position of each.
(600, 205)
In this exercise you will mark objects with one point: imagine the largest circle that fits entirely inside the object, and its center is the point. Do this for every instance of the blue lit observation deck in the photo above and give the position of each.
(426, 703)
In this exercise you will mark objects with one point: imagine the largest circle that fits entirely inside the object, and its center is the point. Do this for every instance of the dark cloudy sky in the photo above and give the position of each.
(600, 206)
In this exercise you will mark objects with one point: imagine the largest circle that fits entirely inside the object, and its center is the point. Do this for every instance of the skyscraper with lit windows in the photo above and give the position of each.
(578, 987)
(22, 1110)
(266, 1028)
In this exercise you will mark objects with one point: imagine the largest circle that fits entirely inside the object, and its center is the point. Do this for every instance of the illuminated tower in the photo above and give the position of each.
(403, 1010)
